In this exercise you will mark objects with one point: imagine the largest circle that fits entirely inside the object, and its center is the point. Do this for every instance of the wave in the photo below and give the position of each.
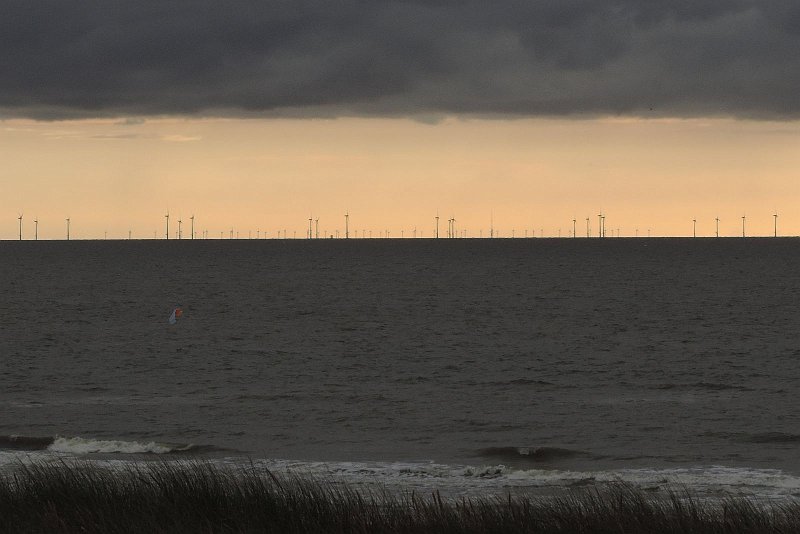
(25, 443)
(534, 454)
(522, 382)
(709, 386)
(773, 437)
(89, 446)
(77, 445)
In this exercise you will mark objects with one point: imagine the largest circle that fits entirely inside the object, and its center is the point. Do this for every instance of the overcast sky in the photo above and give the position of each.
(680, 58)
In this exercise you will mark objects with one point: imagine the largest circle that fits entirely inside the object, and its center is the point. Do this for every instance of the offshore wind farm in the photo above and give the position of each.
(453, 231)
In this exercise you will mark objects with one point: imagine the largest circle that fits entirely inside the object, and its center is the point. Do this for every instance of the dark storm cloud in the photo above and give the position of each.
(417, 58)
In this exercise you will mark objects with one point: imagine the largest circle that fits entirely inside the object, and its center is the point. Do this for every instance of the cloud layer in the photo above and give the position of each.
(399, 58)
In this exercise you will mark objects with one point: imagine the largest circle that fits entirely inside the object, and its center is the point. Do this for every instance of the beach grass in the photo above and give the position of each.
(200, 497)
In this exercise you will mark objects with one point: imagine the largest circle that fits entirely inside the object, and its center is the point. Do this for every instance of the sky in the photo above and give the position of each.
(516, 115)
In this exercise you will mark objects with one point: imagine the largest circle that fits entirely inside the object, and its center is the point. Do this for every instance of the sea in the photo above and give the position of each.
(471, 367)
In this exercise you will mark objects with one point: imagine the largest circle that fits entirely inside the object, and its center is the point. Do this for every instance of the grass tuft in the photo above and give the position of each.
(202, 497)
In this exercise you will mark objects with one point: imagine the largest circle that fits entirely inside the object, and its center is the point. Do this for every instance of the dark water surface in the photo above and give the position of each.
(504, 360)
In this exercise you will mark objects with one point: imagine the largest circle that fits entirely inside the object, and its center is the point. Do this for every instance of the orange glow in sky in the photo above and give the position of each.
(257, 176)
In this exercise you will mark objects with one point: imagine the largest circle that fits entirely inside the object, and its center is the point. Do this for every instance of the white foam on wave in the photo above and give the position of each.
(90, 446)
